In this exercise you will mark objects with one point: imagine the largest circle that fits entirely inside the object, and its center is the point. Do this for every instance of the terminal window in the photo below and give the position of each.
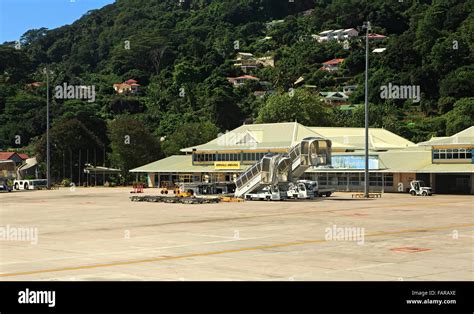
(460, 153)
(228, 157)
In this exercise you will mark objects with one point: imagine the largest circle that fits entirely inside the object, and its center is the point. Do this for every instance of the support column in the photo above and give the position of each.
(151, 179)
(383, 183)
(348, 180)
(433, 182)
(472, 183)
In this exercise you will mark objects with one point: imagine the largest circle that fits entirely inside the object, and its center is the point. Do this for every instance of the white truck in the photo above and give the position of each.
(307, 189)
(302, 189)
(324, 191)
(267, 194)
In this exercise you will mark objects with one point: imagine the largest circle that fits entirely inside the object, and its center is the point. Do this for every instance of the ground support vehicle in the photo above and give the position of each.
(36, 184)
(307, 189)
(267, 194)
(419, 187)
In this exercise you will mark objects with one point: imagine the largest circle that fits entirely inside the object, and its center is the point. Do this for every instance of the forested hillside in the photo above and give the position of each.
(182, 53)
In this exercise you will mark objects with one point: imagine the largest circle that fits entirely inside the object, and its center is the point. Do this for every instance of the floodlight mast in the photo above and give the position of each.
(48, 153)
(367, 27)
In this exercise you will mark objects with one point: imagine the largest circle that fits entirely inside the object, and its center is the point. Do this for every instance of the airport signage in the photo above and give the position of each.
(223, 165)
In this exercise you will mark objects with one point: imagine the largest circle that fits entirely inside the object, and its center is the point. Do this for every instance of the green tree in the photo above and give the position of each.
(167, 45)
(298, 105)
(25, 116)
(458, 83)
(72, 145)
(15, 66)
(132, 144)
(461, 117)
(33, 35)
(189, 134)
(88, 114)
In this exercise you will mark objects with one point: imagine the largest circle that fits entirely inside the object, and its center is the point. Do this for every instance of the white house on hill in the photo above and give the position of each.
(338, 34)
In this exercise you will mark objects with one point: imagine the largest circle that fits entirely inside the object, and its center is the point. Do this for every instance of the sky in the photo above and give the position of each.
(19, 16)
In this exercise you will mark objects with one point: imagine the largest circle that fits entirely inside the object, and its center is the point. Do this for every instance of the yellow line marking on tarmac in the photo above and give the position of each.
(254, 248)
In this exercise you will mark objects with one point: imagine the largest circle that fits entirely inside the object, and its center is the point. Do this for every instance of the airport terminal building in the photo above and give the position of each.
(445, 163)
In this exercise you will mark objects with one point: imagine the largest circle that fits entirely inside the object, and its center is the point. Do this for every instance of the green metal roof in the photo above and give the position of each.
(379, 139)
(465, 137)
(405, 161)
(262, 136)
(418, 160)
(284, 135)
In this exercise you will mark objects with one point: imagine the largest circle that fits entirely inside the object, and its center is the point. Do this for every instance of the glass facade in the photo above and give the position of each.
(352, 181)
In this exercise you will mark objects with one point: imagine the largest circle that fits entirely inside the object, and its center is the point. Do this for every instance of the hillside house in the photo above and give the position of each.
(377, 37)
(17, 158)
(348, 89)
(332, 65)
(272, 24)
(338, 34)
(379, 50)
(334, 98)
(247, 61)
(239, 81)
(127, 87)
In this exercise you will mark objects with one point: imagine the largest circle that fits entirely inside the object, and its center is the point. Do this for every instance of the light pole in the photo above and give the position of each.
(366, 107)
(48, 179)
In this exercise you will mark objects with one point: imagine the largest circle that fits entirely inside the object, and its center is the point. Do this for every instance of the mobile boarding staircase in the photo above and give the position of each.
(276, 171)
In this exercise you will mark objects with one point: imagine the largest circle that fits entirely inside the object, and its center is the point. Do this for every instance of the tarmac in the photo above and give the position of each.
(95, 234)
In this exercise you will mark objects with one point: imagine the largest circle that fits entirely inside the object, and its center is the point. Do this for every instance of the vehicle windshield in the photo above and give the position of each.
(422, 184)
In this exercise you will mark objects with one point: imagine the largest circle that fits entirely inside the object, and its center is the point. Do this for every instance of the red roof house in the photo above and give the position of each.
(23, 156)
(332, 65)
(34, 85)
(11, 156)
(127, 87)
(377, 36)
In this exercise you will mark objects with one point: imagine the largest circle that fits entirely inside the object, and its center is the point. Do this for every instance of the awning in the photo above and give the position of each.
(448, 168)
(181, 164)
(101, 170)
